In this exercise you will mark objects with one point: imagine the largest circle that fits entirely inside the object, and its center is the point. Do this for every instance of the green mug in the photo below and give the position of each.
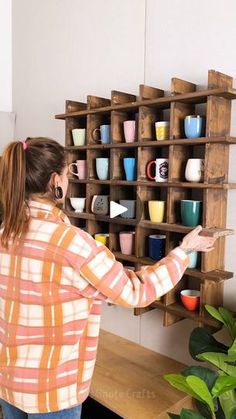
(191, 212)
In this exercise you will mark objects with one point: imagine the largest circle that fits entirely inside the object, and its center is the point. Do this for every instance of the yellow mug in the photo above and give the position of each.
(162, 130)
(102, 237)
(156, 211)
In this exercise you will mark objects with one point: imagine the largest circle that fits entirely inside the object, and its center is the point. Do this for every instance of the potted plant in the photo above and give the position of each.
(213, 389)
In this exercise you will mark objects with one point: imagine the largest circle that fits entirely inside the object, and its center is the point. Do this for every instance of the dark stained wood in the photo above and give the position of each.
(163, 102)
(148, 92)
(179, 86)
(154, 143)
(72, 106)
(94, 102)
(119, 98)
(149, 107)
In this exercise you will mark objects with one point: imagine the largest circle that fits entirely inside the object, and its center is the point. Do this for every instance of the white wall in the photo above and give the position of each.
(66, 49)
(5, 56)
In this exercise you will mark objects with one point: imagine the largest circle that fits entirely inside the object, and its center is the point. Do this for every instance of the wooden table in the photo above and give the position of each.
(128, 380)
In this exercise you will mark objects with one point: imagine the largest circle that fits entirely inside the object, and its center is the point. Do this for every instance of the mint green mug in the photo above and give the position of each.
(191, 212)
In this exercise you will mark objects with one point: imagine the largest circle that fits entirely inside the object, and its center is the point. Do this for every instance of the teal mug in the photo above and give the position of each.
(191, 212)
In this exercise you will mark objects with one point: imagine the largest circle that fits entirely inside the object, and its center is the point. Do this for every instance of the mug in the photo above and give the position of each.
(193, 260)
(78, 204)
(191, 212)
(105, 133)
(102, 168)
(100, 204)
(190, 299)
(156, 246)
(193, 126)
(126, 239)
(194, 170)
(162, 129)
(102, 237)
(81, 169)
(161, 170)
(78, 135)
(129, 131)
(156, 211)
(130, 168)
(130, 204)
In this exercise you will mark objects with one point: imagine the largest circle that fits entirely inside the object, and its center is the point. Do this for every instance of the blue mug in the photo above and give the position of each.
(105, 133)
(156, 246)
(130, 168)
(193, 126)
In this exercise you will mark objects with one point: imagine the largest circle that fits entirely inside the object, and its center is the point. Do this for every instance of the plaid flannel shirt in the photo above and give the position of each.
(52, 285)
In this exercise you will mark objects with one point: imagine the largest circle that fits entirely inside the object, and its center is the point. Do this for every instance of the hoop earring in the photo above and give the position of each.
(58, 192)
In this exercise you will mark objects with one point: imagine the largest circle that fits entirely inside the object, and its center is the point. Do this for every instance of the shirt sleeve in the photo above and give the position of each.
(105, 278)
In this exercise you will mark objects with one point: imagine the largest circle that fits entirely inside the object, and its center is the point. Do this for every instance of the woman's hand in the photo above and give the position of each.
(193, 242)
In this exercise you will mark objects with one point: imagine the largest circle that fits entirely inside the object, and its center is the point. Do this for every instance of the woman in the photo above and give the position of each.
(53, 279)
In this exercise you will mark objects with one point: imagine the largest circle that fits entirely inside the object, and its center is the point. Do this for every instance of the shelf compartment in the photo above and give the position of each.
(117, 168)
(148, 193)
(145, 155)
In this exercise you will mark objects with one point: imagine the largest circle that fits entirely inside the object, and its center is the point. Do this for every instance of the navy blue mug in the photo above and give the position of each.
(156, 246)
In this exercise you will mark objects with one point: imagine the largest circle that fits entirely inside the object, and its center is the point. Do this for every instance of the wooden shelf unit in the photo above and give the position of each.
(152, 105)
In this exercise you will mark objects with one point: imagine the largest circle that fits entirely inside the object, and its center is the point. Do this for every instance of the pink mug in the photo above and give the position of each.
(127, 242)
(129, 131)
(81, 169)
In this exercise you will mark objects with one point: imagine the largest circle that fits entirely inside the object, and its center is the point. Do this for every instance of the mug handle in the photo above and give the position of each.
(148, 170)
(73, 173)
(93, 134)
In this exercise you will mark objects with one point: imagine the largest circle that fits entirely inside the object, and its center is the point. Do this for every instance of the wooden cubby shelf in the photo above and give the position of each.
(213, 147)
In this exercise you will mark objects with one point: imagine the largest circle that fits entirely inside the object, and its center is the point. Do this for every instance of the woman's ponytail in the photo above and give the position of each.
(12, 186)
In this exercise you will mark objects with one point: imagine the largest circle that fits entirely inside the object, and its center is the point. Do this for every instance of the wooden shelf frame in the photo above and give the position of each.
(150, 106)
(161, 102)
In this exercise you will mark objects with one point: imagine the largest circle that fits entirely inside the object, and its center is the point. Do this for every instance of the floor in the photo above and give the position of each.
(94, 410)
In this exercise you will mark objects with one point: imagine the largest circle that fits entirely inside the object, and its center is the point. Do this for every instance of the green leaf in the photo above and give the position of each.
(232, 349)
(223, 383)
(179, 381)
(219, 360)
(200, 388)
(190, 414)
(206, 374)
(204, 409)
(234, 330)
(228, 319)
(228, 403)
(233, 415)
(173, 416)
(202, 341)
(214, 313)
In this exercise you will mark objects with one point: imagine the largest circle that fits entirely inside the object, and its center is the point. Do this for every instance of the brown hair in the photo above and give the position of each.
(26, 169)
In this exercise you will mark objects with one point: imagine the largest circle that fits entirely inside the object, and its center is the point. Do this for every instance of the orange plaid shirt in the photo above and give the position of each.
(52, 285)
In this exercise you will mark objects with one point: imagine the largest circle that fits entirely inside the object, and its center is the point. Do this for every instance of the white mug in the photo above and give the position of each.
(161, 170)
(194, 170)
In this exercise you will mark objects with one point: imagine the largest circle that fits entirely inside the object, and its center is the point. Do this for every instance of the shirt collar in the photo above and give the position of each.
(47, 211)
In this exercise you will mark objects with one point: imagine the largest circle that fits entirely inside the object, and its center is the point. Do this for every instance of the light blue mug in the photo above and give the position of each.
(102, 167)
(130, 168)
(105, 133)
(193, 126)
(193, 260)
